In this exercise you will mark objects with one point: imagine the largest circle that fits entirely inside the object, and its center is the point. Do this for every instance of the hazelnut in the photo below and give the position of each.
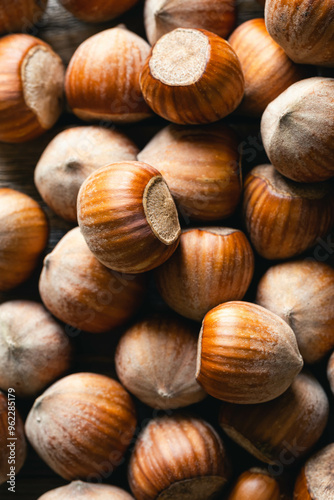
(178, 457)
(20, 15)
(97, 11)
(211, 265)
(114, 95)
(246, 354)
(201, 168)
(7, 439)
(285, 218)
(34, 349)
(128, 217)
(70, 157)
(23, 237)
(281, 431)
(330, 372)
(262, 61)
(82, 425)
(299, 141)
(316, 481)
(192, 77)
(78, 490)
(301, 293)
(80, 291)
(304, 29)
(255, 484)
(156, 361)
(162, 16)
(31, 87)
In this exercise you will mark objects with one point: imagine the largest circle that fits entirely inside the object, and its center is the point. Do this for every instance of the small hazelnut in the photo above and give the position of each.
(23, 237)
(211, 265)
(201, 167)
(255, 484)
(78, 490)
(82, 424)
(128, 217)
(192, 77)
(284, 218)
(281, 431)
(80, 291)
(20, 15)
(97, 11)
(69, 159)
(178, 457)
(246, 354)
(34, 349)
(316, 479)
(156, 361)
(31, 87)
(330, 372)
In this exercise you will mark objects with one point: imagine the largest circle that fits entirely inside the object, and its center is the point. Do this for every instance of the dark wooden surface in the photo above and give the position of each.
(95, 352)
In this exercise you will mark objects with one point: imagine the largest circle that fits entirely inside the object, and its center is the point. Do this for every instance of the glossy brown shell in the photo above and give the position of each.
(97, 11)
(20, 15)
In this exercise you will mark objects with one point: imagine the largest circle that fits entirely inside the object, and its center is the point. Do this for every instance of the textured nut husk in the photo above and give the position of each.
(283, 430)
(34, 349)
(20, 15)
(330, 372)
(255, 484)
(162, 16)
(80, 291)
(267, 69)
(298, 130)
(156, 361)
(246, 354)
(284, 218)
(178, 457)
(82, 424)
(5, 439)
(316, 479)
(71, 157)
(201, 168)
(96, 94)
(95, 11)
(203, 77)
(304, 29)
(211, 265)
(301, 292)
(79, 490)
(23, 237)
(128, 217)
(31, 88)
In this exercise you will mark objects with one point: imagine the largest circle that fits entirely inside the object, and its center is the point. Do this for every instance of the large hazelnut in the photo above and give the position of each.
(114, 95)
(211, 265)
(304, 29)
(281, 431)
(178, 457)
(162, 16)
(128, 217)
(20, 15)
(192, 77)
(69, 159)
(316, 481)
(267, 69)
(156, 361)
(285, 218)
(301, 292)
(23, 237)
(31, 87)
(97, 11)
(34, 349)
(246, 354)
(78, 490)
(255, 484)
(298, 130)
(201, 168)
(82, 425)
(80, 291)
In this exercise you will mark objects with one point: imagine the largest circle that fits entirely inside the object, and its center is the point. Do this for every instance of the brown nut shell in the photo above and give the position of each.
(316, 479)
(330, 372)
(20, 15)
(97, 11)
(255, 484)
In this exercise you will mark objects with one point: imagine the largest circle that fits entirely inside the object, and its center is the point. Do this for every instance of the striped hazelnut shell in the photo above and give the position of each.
(79, 490)
(246, 354)
(128, 217)
(85, 294)
(284, 218)
(281, 431)
(316, 479)
(114, 95)
(211, 265)
(20, 15)
(192, 77)
(177, 457)
(81, 425)
(255, 484)
(97, 11)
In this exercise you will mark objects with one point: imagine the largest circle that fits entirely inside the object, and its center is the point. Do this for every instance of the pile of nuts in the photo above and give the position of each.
(243, 308)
